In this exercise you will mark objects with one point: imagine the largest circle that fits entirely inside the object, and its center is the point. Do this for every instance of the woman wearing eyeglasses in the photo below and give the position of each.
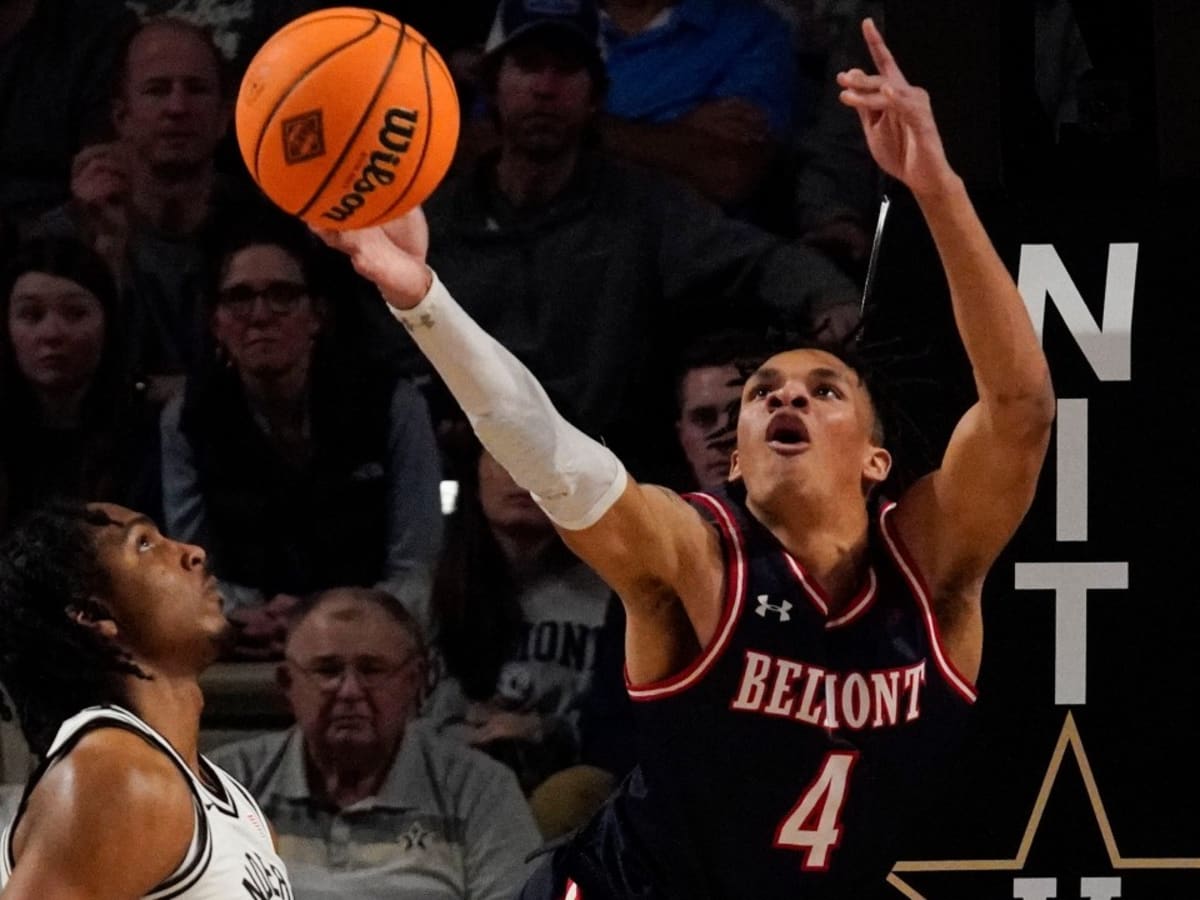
(295, 466)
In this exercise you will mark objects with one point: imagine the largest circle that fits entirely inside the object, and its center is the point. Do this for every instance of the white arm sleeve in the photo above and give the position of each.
(572, 477)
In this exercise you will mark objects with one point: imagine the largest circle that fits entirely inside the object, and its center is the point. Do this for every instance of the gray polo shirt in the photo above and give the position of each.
(448, 822)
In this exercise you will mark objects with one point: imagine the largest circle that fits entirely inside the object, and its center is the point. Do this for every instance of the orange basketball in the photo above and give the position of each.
(347, 118)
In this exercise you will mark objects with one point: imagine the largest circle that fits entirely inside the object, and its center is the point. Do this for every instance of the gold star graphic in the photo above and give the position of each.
(1068, 739)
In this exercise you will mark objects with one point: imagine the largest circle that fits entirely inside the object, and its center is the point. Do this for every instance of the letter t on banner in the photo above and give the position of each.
(1100, 888)
(1035, 888)
(1071, 582)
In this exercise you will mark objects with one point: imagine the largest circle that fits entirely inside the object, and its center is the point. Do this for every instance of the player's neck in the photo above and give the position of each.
(828, 538)
(171, 705)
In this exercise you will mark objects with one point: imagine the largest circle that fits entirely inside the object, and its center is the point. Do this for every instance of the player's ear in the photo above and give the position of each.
(877, 466)
(96, 618)
(735, 469)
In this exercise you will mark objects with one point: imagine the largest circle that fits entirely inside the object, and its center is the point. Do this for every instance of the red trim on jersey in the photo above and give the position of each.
(572, 892)
(814, 592)
(857, 606)
(735, 590)
(916, 582)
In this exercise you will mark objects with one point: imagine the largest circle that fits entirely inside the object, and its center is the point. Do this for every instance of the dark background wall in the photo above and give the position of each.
(1127, 171)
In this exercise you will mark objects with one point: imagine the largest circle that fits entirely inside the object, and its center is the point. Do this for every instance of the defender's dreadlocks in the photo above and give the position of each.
(51, 665)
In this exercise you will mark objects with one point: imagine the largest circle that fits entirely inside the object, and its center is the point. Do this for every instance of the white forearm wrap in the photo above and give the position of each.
(572, 477)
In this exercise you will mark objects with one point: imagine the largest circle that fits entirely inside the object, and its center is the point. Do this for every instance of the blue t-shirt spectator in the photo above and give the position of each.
(701, 50)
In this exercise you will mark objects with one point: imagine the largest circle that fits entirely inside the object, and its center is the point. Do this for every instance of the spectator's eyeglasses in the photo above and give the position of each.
(372, 672)
(280, 297)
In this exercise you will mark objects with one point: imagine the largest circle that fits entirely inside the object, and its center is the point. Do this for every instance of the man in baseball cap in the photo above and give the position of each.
(556, 23)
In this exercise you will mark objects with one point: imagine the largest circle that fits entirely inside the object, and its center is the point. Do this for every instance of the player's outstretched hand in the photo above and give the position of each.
(392, 255)
(897, 120)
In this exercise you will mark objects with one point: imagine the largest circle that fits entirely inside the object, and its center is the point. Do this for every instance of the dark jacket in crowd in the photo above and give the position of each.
(293, 529)
(594, 289)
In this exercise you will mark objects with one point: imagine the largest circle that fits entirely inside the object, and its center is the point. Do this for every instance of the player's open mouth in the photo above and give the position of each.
(787, 434)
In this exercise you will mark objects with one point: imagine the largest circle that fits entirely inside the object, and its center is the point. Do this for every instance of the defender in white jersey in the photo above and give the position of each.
(231, 853)
(108, 625)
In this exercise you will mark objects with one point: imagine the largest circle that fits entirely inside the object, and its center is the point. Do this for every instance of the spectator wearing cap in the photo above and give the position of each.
(567, 255)
(702, 89)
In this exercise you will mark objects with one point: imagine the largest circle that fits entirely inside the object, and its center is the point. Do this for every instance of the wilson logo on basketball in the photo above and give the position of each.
(303, 137)
(399, 124)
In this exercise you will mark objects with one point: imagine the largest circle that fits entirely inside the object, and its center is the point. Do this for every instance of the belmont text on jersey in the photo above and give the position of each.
(813, 726)
(879, 698)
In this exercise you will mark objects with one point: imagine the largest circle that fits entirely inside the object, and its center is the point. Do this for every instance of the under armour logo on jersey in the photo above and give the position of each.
(781, 609)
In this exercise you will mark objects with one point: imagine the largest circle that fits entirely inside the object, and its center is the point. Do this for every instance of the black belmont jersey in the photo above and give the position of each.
(787, 759)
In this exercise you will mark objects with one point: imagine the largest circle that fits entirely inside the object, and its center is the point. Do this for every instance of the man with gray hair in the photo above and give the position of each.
(367, 801)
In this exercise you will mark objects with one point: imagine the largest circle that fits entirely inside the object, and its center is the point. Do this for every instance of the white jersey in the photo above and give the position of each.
(231, 854)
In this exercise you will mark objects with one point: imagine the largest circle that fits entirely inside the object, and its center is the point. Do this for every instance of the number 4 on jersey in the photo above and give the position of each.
(814, 824)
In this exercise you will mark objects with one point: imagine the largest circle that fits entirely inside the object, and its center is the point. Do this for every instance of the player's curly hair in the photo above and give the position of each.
(878, 365)
(51, 664)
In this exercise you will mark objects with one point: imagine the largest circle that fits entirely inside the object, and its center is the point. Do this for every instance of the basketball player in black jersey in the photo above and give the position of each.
(105, 627)
(800, 663)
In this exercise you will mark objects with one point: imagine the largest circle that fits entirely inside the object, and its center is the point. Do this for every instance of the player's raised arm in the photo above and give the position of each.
(648, 544)
(958, 519)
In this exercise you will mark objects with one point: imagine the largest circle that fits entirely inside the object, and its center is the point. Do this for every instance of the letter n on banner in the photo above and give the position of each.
(1107, 346)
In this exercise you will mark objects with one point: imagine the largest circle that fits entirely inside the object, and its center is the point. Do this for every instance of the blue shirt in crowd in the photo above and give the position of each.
(702, 50)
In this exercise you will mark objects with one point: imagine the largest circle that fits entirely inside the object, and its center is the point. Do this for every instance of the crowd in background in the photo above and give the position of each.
(639, 191)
